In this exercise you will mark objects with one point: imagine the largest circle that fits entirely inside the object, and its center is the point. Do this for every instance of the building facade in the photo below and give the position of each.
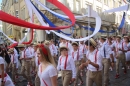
(78, 7)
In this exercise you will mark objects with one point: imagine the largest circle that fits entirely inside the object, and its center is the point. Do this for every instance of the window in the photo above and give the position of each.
(71, 5)
(106, 2)
(15, 1)
(17, 13)
(98, 9)
(77, 6)
(9, 31)
(113, 3)
(62, 1)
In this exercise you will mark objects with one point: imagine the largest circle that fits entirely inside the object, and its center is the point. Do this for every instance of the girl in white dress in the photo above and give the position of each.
(126, 41)
(5, 80)
(46, 71)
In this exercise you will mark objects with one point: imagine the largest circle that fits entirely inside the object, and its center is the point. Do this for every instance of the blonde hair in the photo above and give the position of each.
(47, 57)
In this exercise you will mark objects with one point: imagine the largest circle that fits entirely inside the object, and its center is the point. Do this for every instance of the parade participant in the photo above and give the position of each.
(47, 43)
(67, 44)
(126, 41)
(111, 45)
(77, 55)
(31, 50)
(5, 80)
(67, 66)
(53, 50)
(106, 54)
(46, 71)
(82, 47)
(26, 62)
(37, 62)
(121, 49)
(14, 63)
(93, 64)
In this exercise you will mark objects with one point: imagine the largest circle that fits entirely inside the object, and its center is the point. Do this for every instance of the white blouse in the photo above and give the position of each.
(45, 76)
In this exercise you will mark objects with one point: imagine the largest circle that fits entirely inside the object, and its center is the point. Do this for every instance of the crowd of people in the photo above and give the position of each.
(45, 59)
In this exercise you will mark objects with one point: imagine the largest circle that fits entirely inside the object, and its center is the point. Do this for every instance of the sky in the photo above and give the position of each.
(0, 1)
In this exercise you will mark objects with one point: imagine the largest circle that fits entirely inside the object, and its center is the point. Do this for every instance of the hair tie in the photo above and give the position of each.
(43, 49)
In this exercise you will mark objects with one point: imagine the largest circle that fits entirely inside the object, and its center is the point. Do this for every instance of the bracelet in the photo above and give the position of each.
(2, 81)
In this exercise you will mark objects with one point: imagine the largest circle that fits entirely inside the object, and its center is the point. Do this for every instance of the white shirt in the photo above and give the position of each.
(82, 48)
(107, 50)
(14, 58)
(26, 54)
(31, 50)
(70, 65)
(122, 46)
(45, 76)
(15, 51)
(68, 45)
(77, 55)
(98, 60)
(53, 49)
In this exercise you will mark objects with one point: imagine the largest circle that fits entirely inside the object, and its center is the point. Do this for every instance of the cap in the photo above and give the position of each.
(11, 50)
(103, 36)
(20, 45)
(63, 47)
(35, 44)
(118, 36)
(46, 42)
(93, 42)
(75, 43)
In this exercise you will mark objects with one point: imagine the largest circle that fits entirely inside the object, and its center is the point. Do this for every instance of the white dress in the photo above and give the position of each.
(7, 79)
(128, 53)
(45, 76)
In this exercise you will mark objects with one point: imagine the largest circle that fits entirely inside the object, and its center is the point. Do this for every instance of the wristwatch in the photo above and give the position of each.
(2, 81)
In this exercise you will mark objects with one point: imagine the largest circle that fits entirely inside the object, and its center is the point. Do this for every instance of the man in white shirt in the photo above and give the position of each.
(106, 53)
(121, 49)
(26, 62)
(14, 63)
(53, 50)
(67, 66)
(77, 55)
(31, 50)
(67, 44)
(93, 64)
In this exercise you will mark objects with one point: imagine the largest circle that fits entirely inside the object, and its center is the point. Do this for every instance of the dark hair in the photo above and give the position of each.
(1, 52)
(89, 43)
(103, 39)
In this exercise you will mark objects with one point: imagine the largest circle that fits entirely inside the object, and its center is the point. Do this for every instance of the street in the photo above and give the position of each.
(124, 80)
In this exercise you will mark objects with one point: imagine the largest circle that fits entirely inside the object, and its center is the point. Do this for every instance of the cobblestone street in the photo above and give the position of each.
(124, 79)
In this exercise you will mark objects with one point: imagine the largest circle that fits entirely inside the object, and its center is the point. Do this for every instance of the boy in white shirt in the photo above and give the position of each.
(93, 64)
(77, 55)
(67, 66)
